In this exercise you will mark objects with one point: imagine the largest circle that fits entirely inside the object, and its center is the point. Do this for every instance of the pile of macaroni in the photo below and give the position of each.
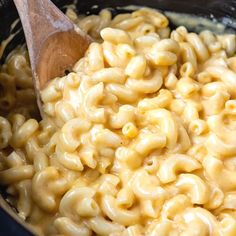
(140, 139)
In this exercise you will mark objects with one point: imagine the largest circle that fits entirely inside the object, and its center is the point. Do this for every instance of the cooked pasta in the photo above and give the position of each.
(138, 140)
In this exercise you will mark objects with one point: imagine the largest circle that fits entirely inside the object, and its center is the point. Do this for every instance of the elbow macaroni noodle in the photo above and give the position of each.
(139, 140)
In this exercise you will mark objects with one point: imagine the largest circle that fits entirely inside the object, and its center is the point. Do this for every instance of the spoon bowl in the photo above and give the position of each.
(54, 43)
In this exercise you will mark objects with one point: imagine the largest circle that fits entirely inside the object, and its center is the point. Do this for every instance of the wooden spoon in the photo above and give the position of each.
(55, 44)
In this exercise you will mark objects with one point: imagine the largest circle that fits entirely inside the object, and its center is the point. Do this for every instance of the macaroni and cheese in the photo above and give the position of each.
(139, 139)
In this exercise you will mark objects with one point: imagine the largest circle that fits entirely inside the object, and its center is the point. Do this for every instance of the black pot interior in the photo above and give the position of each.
(222, 11)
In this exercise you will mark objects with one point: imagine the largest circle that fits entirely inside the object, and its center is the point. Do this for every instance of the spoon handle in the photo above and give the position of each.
(40, 18)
